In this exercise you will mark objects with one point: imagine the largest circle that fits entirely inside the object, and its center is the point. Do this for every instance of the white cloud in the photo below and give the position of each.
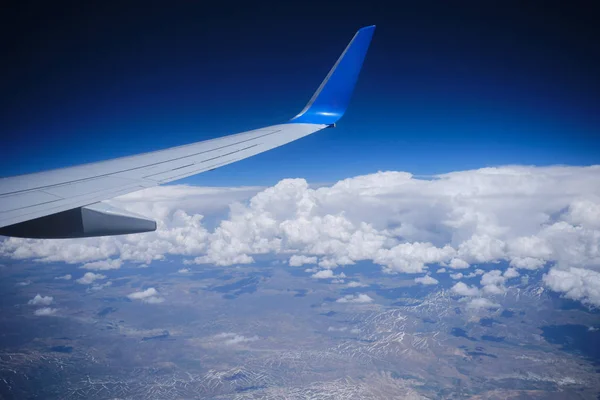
(89, 277)
(46, 311)
(511, 273)
(585, 212)
(298, 261)
(99, 286)
(41, 300)
(482, 248)
(66, 277)
(493, 277)
(357, 298)
(493, 282)
(482, 303)
(463, 290)
(441, 270)
(230, 339)
(530, 217)
(575, 283)
(103, 265)
(457, 263)
(527, 263)
(427, 280)
(323, 274)
(184, 271)
(149, 296)
(355, 284)
(456, 276)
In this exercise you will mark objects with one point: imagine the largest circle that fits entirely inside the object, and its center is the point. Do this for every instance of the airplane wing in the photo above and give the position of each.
(67, 202)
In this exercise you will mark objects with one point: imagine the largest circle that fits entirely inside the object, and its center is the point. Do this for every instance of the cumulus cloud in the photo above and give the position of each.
(493, 282)
(441, 270)
(66, 277)
(298, 261)
(530, 217)
(356, 298)
(149, 296)
(46, 311)
(184, 271)
(456, 276)
(463, 289)
(90, 277)
(457, 263)
(427, 280)
(511, 273)
(575, 283)
(39, 300)
(323, 274)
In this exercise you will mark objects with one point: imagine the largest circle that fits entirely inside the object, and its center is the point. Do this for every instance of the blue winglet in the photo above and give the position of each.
(331, 99)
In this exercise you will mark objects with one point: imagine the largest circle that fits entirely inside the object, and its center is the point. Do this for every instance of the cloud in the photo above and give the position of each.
(527, 263)
(103, 265)
(530, 217)
(493, 282)
(149, 296)
(463, 290)
(511, 273)
(46, 311)
(99, 286)
(456, 276)
(575, 283)
(328, 274)
(41, 300)
(298, 261)
(427, 280)
(231, 339)
(355, 284)
(89, 277)
(323, 274)
(66, 277)
(441, 270)
(357, 298)
(457, 263)
(184, 271)
(481, 303)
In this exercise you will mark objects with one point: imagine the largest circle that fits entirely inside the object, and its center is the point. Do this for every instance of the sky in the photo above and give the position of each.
(445, 87)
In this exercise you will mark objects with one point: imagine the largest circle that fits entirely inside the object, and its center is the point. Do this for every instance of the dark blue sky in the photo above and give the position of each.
(445, 86)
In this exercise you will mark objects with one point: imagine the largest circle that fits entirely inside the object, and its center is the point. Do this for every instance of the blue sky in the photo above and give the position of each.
(443, 87)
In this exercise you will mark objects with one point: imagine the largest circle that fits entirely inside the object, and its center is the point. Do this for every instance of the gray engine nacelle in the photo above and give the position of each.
(98, 219)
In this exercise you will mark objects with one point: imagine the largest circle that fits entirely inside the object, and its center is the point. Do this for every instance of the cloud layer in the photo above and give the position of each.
(529, 217)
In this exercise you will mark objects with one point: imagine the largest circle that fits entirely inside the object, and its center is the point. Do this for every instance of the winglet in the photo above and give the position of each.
(331, 99)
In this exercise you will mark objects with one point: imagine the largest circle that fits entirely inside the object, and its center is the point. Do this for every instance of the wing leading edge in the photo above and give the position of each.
(65, 203)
